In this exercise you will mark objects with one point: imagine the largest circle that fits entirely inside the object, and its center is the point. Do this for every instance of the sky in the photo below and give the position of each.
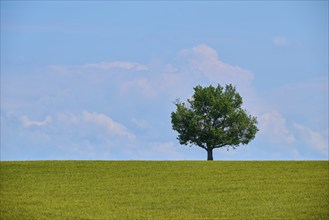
(97, 80)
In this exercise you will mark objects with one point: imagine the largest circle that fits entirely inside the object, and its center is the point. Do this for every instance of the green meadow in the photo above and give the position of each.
(165, 190)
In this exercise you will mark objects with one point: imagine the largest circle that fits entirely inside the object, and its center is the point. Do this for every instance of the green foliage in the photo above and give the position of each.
(164, 190)
(213, 118)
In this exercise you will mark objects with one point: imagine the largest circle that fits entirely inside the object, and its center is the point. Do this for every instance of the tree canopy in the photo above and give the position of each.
(213, 118)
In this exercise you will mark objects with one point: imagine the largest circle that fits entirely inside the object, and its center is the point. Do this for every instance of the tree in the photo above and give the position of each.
(213, 118)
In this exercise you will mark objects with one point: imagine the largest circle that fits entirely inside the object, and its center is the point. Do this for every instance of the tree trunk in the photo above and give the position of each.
(210, 157)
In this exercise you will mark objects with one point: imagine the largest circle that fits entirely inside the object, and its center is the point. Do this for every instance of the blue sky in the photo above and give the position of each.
(97, 80)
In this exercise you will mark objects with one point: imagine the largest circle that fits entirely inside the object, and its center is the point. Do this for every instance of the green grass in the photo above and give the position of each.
(165, 190)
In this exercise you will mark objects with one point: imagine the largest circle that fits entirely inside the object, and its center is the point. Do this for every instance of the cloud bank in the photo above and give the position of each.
(94, 110)
(117, 65)
(27, 122)
(205, 60)
(106, 122)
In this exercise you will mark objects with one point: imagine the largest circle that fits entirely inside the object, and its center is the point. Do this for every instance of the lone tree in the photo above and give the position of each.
(213, 118)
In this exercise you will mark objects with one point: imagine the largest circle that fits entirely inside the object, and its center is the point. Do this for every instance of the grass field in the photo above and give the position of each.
(165, 190)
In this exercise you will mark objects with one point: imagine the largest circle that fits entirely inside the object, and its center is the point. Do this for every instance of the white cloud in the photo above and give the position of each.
(105, 121)
(117, 65)
(198, 65)
(27, 122)
(279, 41)
(205, 60)
(317, 140)
(69, 120)
(273, 125)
